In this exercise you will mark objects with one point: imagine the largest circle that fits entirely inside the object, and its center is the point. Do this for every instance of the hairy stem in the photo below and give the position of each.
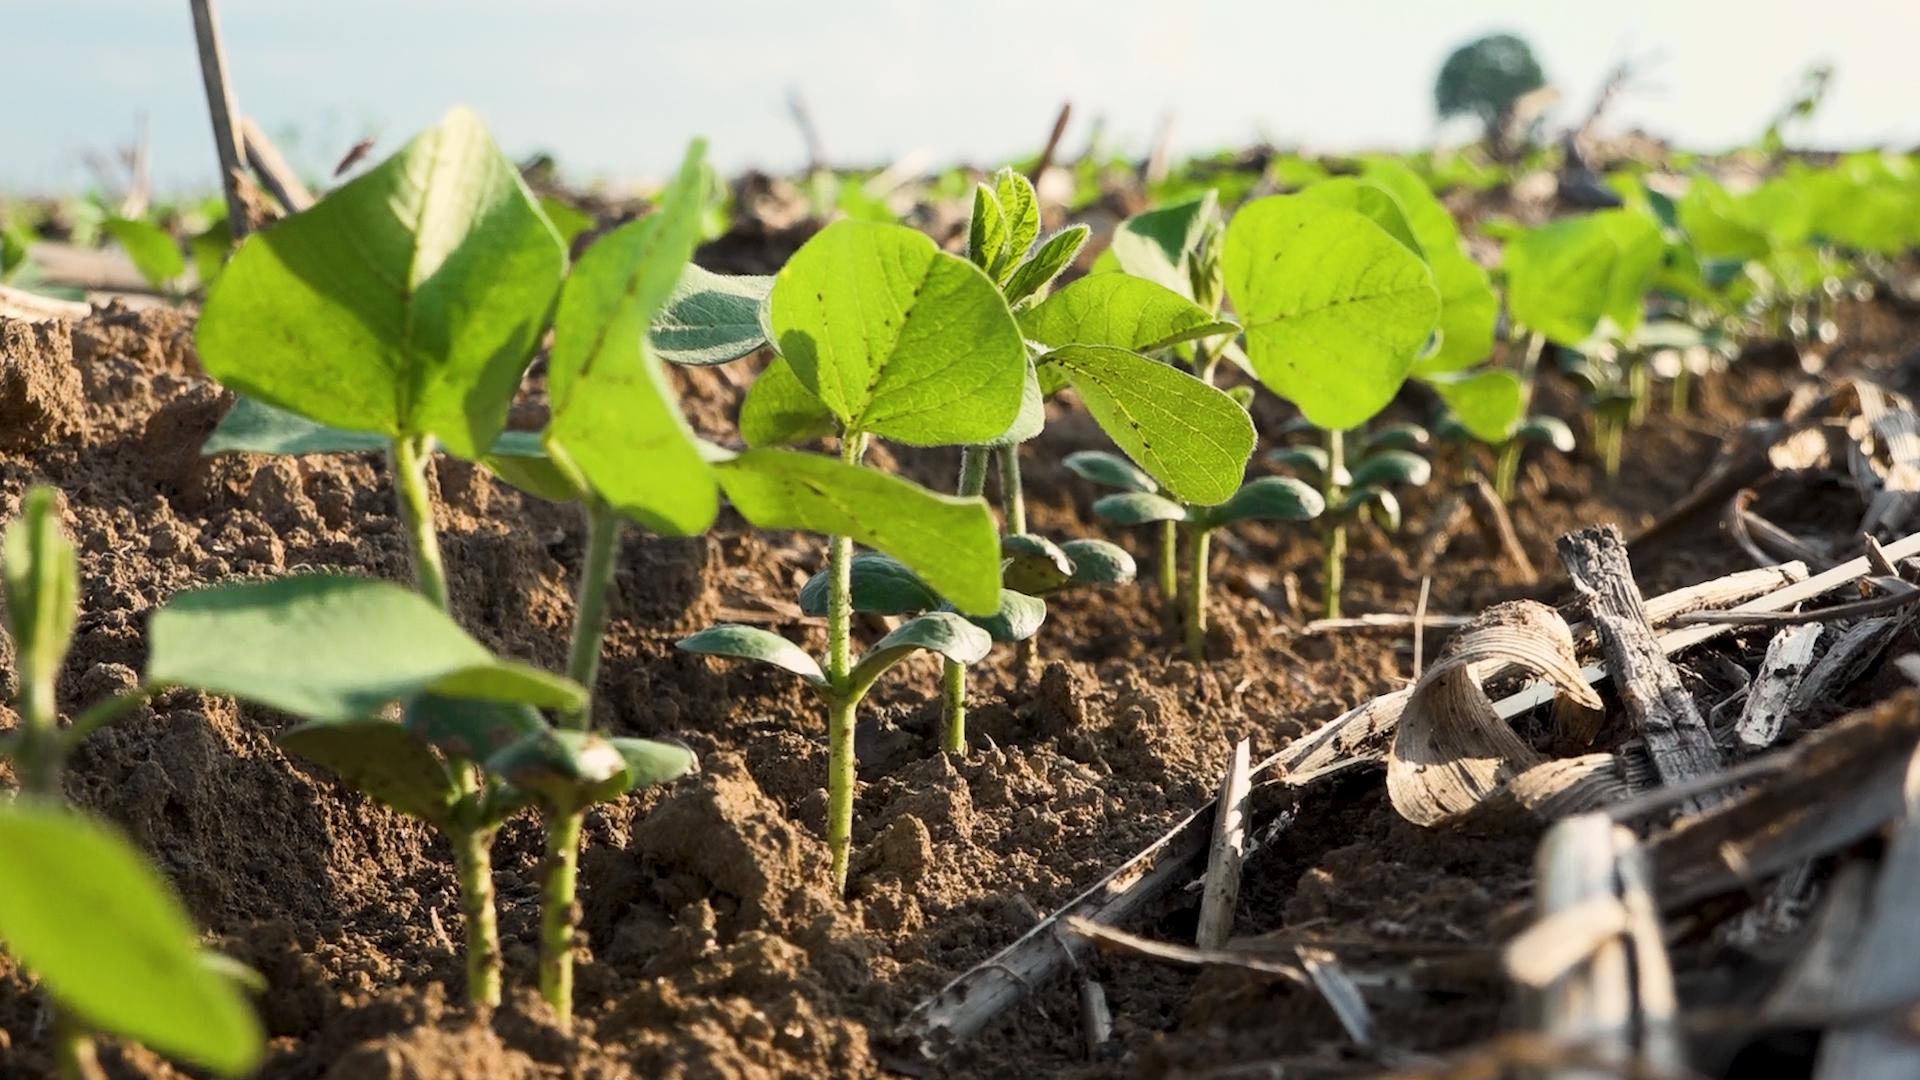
(473, 864)
(1170, 560)
(841, 700)
(1013, 499)
(1506, 469)
(1200, 545)
(559, 915)
(973, 480)
(410, 459)
(1336, 564)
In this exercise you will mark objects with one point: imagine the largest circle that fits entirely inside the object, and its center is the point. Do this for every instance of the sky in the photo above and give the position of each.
(615, 89)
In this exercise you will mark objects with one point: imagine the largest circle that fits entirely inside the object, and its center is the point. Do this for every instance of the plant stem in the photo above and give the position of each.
(973, 480)
(841, 700)
(1336, 564)
(410, 459)
(1200, 545)
(1170, 560)
(1012, 498)
(558, 913)
(473, 865)
(1639, 389)
(1506, 469)
(74, 1054)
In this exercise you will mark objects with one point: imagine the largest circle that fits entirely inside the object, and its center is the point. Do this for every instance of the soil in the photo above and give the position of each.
(713, 948)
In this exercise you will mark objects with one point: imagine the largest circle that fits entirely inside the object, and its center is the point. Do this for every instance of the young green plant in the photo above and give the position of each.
(82, 908)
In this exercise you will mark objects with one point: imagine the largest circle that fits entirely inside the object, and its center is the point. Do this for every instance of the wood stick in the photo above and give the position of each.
(1386, 621)
(1166, 952)
(1227, 853)
(272, 168)
(1053, 143)
(224, 113)
(32, 307)
(1789, 658)
(1663, 712)
(1096, 1018)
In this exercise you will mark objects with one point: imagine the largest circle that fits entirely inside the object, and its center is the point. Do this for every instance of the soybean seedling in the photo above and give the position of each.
(1360, 488)
(424, 350)
(82, 908)
(1140, 502)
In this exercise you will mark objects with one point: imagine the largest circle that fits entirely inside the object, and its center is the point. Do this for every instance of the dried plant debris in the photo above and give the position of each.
(1453, 750)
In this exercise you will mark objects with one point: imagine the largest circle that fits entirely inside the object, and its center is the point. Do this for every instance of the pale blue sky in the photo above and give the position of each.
(615, 89)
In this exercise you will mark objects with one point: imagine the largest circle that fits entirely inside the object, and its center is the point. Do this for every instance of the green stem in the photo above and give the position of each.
(1682, 385)
(1639, 390)
(559, 915)
(410, 459)
(473, 864)
(841, 700)
(74, 1054)
(1170, 560)
(953, 696)
(1336, 564)
(1506, 469)
(1012, 498)
(1529, 366)
(1200, 542)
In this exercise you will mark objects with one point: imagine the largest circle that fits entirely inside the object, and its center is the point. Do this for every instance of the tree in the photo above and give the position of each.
(1484, 78)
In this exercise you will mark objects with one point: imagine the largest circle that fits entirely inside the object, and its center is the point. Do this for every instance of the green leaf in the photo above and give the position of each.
(1371, 202)
(1033, 564)
(1022, 211)
(1157, 245)
(711, 318)
(940, 632)
(987, 233)
(101, 929)
(331, 647)
(1564, 277)
(405, 302)
(780, 410)
(1377, 502)
(1308, 460)
(1550, 430)
(381, 759)
(1138, 508)
(153, 252)
(1122, 311)
(1401, 436)
(521, 459)
(881, 584)
(43, 589)
(1336, 311)
(651, 762)
(1018, 619)
(1032, 418)
(1054, 256)
(1469, 309)
(1489, 403)
(615, 417)
(1386, 467)
(1098, 562)
(255, 427)
(1718, 224)
(1269, 498)
(568, 769)
(899, 338)
(951, 542)
(209, 249)
(474, 730)
(1190, 437)
(753, 643)
(569, 222)
(1109, 470)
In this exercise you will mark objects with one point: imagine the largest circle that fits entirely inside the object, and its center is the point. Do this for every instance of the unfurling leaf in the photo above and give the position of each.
(1030, 277)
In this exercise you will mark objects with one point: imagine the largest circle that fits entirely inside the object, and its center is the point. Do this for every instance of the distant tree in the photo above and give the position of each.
(1484, 78)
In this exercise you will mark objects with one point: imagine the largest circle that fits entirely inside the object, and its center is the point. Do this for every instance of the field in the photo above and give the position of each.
(712, 940)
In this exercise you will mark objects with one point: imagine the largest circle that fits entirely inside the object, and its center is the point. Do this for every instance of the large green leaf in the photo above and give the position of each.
(1336, 310)
(614, 413)
(382, 759)
(1120, 310)
(1156, 245)
(899, 338)
(711, 318)
(951, 542)
(1489, 403)
(1370, 201)
(332, 647)
(406, 302)
(153, 252)
(1469, 308)
(1564, 277)
(780, 410)
(42, 578)
(1187, 435)
(753, 643)
(1718, 224)
(99, 926)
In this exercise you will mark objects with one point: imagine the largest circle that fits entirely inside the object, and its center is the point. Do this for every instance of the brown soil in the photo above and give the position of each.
(713, 948)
